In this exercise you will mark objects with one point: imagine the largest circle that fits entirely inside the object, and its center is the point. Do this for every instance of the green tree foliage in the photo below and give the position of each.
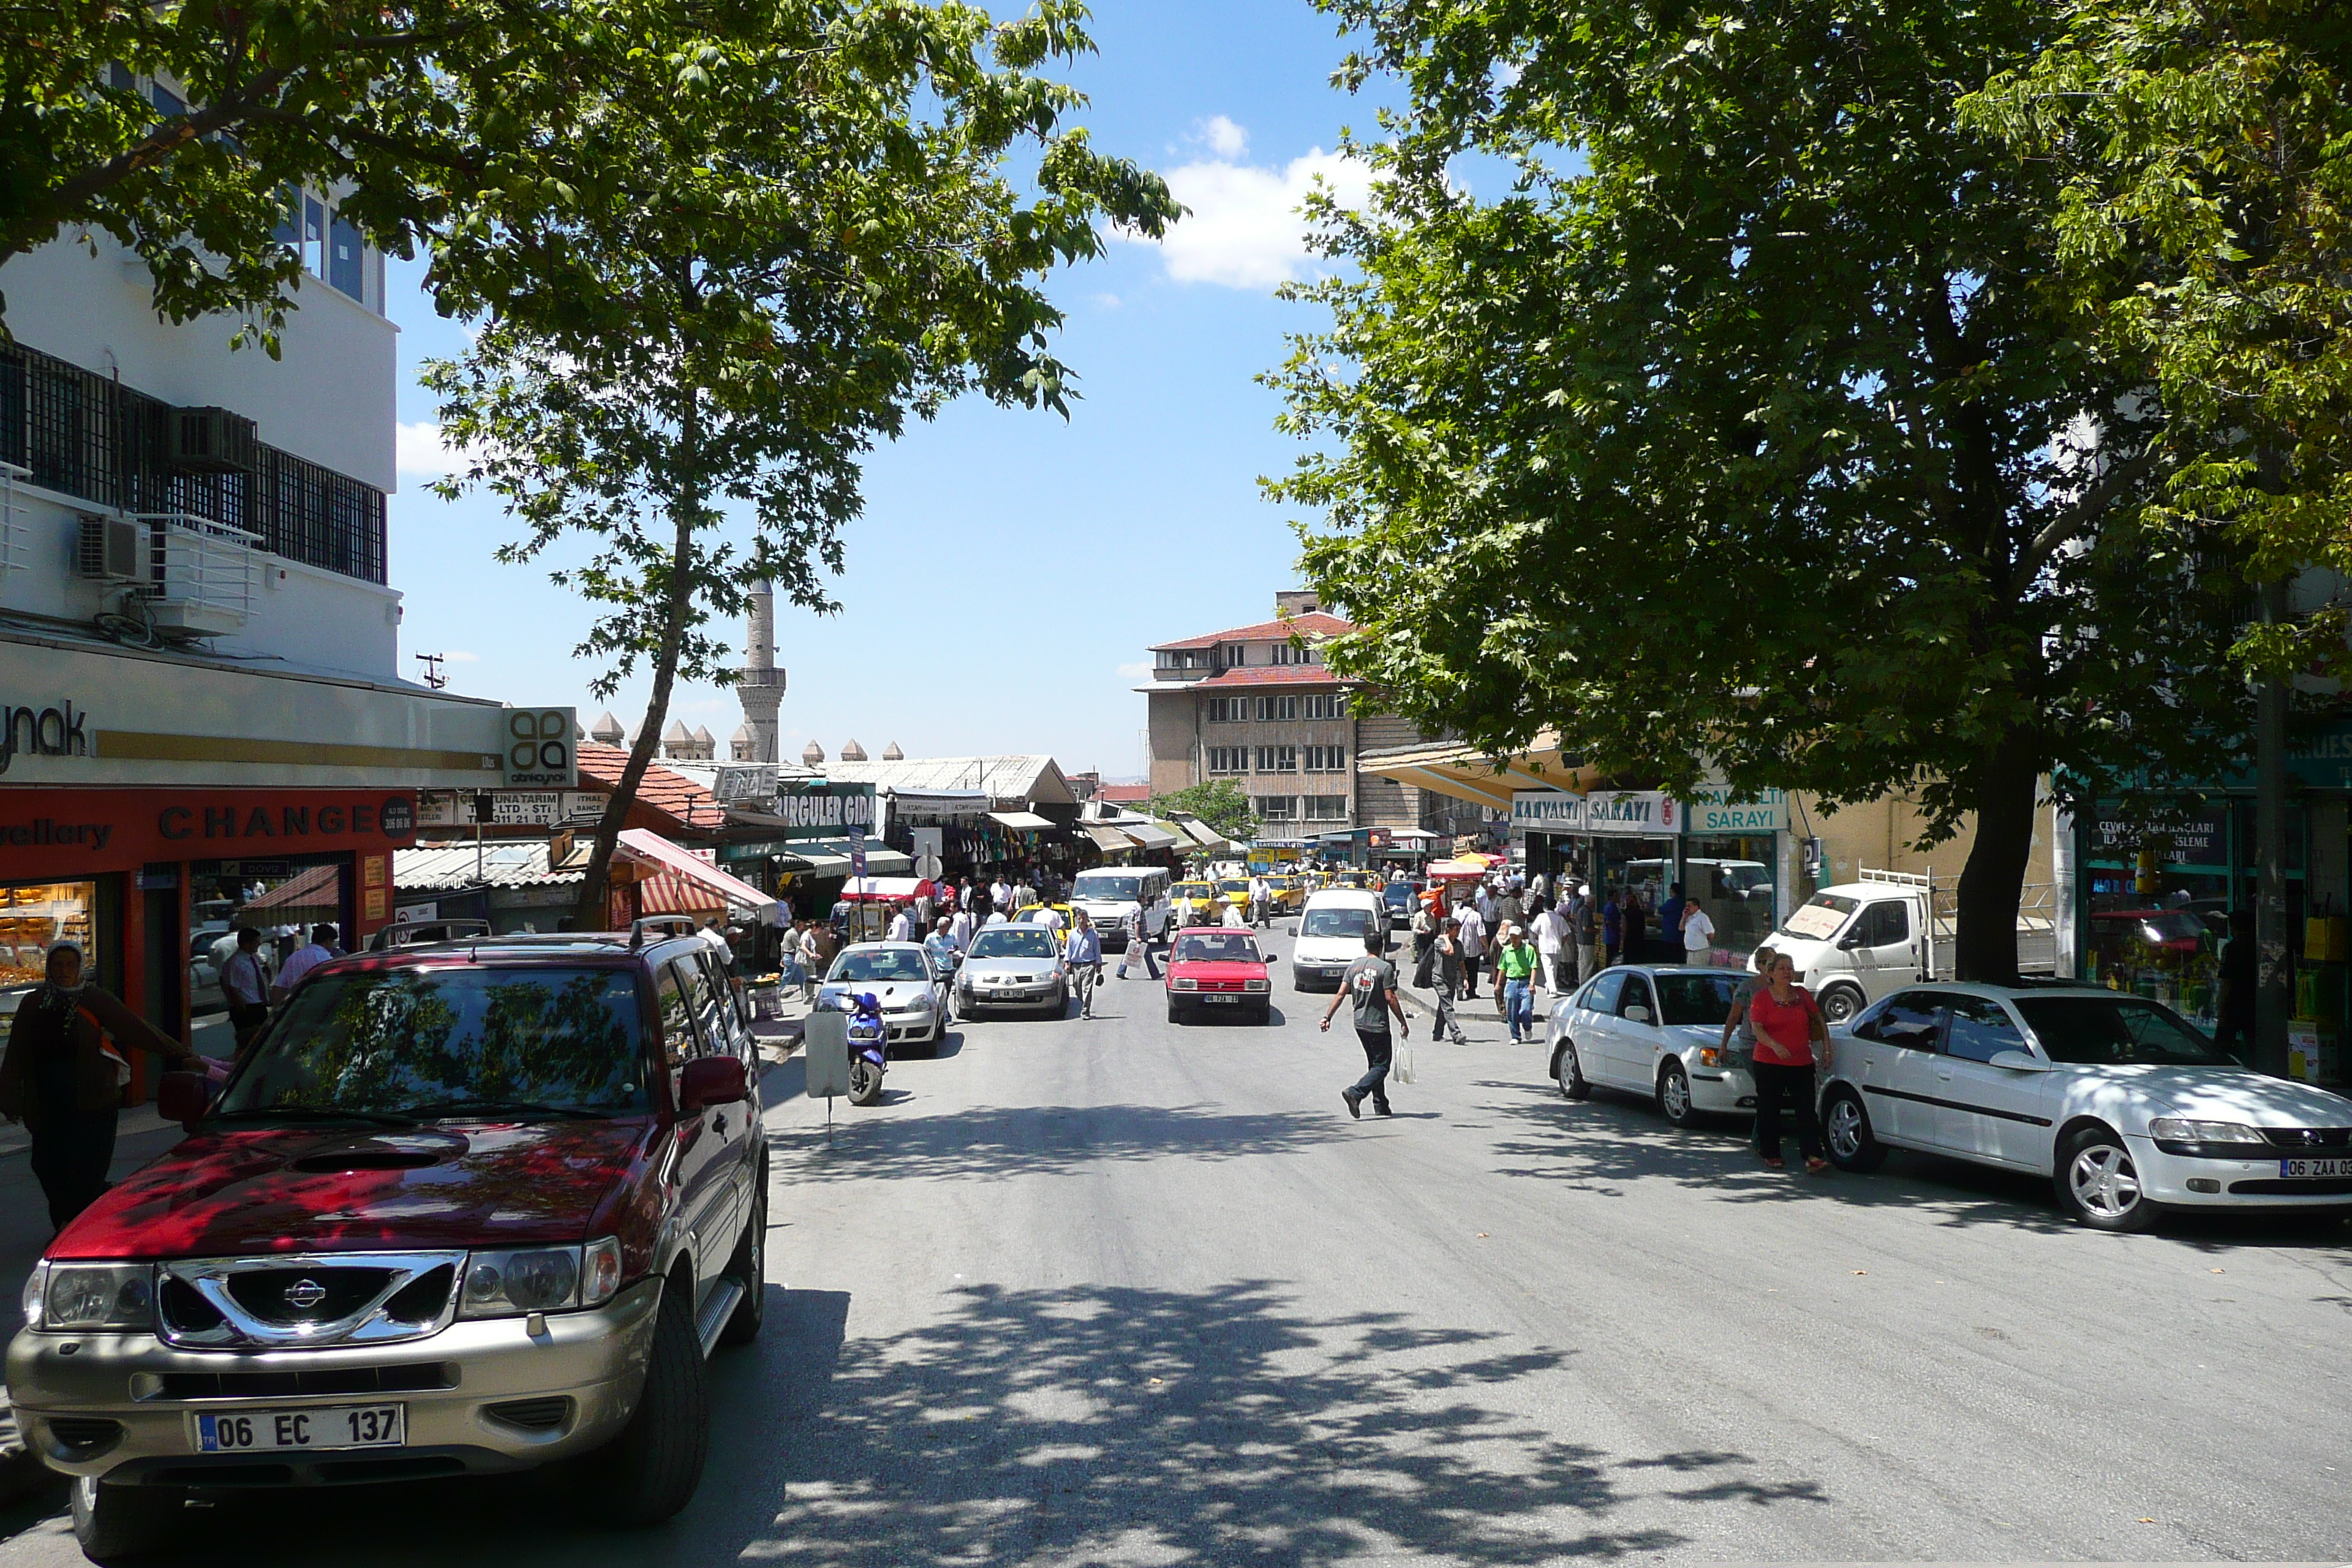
(2205, 225)
(754, 251)
(1219, 802)
(189, 167)
(1743, 428)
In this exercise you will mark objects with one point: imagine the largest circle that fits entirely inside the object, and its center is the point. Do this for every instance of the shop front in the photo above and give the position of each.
(803, 848)
(1732, 853)
(1549, 826)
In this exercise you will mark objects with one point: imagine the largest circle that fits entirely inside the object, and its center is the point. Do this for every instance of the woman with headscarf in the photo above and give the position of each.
(62, 1079)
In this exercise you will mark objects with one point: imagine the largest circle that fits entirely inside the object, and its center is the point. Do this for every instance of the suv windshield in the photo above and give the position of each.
(1012, 941)
(2092, 1031)
(863, 965)
(385, 1041)
(1329, 920)
(1125, 889)
(1695, 998)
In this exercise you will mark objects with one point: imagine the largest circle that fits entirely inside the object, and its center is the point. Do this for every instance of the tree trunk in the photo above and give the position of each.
(1993, 881)
(686, 511)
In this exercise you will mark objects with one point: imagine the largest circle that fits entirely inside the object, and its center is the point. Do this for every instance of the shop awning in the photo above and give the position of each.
(1110, 840)
(1023, 821)
(314, 896)
(1206, 837)
(830, 857)
(1153, 835)
(1465, 773)
(682, 882)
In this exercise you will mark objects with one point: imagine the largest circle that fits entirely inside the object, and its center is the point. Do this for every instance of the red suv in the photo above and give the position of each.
(476, 1206)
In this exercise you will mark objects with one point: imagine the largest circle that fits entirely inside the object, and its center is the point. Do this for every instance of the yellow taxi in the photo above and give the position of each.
(1287, 893)
(1357, 879)
(1195, 904)
(1027, 912)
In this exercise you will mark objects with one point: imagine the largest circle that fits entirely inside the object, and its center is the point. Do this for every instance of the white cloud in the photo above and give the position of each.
(419, 451)
(1134, 672)
(1243, 229)
(1225, 139)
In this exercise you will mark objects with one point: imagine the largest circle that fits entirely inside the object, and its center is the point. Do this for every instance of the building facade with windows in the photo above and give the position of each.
(1257, 705)
(202, 713)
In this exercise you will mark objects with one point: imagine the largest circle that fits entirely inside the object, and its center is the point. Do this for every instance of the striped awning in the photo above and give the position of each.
(682, 882)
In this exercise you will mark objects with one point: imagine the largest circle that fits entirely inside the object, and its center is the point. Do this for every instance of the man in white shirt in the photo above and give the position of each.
(1234, 918)
(1551, 940)
(997, 917)
(960, 929)
(1259, 894)
(999, 895)
(1048, 917)
(1473, 940)
(1699, 935)
(1485, 904)
(306, 958)
(902, 925)
(1535, 884)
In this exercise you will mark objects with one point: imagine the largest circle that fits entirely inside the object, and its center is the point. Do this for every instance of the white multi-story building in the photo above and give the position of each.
(201, 713)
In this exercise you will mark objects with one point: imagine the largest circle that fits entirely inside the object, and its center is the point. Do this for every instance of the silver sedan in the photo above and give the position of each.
(1014, 966)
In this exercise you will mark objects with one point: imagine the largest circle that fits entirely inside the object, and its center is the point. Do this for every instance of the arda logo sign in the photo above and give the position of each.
(539, 747)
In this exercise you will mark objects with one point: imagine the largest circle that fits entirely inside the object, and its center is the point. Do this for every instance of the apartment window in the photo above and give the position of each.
(1277, 758)
(1328, 705)
(1296, 653)
(1328, 808)
(1327, 759)
(1228, 710)
(344, 250)
(1228, 759)
(1273, 707)
(1181, 658)
(1274, 807)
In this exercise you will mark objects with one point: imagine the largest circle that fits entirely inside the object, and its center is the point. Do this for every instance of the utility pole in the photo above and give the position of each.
(433, 676)
(2274, 962)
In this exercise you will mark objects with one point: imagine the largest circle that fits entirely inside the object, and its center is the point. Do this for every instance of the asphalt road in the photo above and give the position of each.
(1121, 1292)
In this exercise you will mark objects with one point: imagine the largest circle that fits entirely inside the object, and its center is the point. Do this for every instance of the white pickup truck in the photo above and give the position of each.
(1854, 942)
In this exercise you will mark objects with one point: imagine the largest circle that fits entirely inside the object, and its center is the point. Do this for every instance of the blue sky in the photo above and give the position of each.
(1010, 570)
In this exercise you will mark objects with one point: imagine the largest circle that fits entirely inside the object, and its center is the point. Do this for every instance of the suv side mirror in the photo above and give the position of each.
(183, 1098)
(710, 1080)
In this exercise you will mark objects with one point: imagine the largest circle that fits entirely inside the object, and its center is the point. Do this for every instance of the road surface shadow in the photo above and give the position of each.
(988, 1141)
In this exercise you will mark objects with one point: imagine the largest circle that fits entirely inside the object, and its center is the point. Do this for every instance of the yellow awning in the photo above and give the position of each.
(1465, 773)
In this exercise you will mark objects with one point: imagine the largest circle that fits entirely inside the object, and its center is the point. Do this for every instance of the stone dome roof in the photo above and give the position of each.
(701, 736)
(742, 732)
(606, 728)
(676, 732)
(852, 751)
(891, 753)
(812, 753)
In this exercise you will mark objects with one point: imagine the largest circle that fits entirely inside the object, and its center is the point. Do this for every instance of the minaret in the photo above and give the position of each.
(760, 684)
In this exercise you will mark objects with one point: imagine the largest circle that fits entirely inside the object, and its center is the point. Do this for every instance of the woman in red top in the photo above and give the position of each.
(1787, 1025)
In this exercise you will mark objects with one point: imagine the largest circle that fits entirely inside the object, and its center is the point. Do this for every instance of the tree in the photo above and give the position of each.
(1745, 430)
(757, 250)
(190, 167)
(1219, 802)
(2205, 223)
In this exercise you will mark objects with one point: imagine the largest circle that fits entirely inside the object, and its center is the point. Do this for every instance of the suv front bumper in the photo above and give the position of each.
(594, 1360)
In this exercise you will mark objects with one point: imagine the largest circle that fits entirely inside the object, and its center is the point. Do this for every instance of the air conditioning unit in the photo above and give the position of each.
(110, 550)
(210, 441)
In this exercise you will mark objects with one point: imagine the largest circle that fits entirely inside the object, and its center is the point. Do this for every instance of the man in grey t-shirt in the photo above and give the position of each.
(1370, 985)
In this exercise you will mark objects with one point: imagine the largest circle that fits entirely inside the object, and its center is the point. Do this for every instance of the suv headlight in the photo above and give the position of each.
(539, 1280)
(64, 1297)
(2175, 1129)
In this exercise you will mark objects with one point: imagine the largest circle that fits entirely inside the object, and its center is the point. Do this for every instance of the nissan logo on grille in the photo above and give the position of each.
(305, 1294)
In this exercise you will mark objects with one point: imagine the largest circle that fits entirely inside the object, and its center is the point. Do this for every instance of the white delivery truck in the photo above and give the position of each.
(1110, 894)
(1856, 942)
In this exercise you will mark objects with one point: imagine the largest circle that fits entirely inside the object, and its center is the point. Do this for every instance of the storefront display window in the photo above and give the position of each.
(1732, 877)
(33, 916)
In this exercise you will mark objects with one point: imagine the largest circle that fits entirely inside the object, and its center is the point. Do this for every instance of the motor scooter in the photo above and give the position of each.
(869, 1046)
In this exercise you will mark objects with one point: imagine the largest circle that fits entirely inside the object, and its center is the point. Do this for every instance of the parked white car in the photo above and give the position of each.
(1332, 931)
(901, 975)
(1655, 1030)
(2123, 1103)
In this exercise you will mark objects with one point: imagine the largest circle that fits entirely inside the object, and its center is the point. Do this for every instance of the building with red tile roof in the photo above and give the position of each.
(669, 804)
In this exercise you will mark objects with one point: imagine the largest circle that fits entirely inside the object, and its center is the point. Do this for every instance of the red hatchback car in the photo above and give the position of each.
(1217, 969)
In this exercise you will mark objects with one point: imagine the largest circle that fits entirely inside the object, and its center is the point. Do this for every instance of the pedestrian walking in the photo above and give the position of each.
(245, 985)
(1515, 965)
(1137, 952)
(902, 925)
(1613, 930)
(1788, 1025)
(1670, 914)
(303, 960)
(812, 957)
(1447, 951)
(1737, 1023)
(1474, 948)
(1587, 919)
(961, 926)
(1698, 934)
(62, 1076)
(1551, 946)
(1233, 918)
(1082, 953)
(1259, 896)
(1424, 942)
(1637, 925)
(1370, 985)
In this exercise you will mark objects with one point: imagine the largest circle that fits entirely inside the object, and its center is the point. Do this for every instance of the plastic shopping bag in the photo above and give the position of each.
(1401, 1064)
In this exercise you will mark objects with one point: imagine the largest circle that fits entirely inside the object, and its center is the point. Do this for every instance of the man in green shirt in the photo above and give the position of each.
(1515, 962)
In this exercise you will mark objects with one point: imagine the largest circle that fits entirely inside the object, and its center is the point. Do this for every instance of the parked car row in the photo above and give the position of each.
(2122, 1104)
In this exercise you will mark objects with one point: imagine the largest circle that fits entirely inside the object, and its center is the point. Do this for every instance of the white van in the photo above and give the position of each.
(1856, 942)
(1110, 893)
(1331, 931)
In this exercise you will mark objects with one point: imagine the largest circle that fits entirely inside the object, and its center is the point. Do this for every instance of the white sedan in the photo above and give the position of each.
(902, 978)
(1655, 1030)
(2120, 1101)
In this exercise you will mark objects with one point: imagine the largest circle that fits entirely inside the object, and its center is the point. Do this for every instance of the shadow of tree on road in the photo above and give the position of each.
(983, 1141)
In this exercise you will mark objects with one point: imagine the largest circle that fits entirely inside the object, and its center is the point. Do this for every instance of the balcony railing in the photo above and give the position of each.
(16, 537)
(205, 573)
